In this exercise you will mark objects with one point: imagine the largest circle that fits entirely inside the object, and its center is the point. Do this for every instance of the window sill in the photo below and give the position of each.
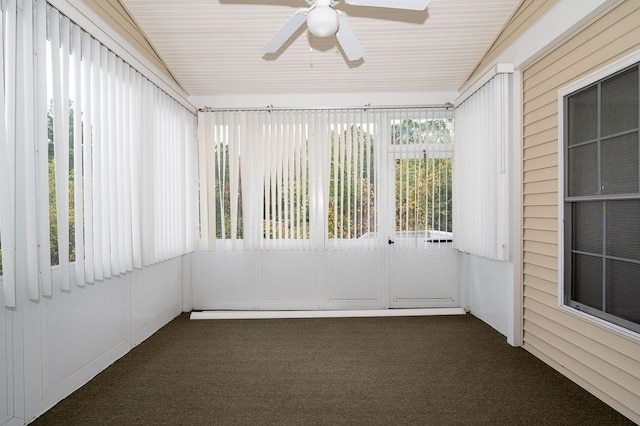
(601, 323)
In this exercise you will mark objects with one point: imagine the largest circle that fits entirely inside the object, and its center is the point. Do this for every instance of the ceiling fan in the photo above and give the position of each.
(324, 21)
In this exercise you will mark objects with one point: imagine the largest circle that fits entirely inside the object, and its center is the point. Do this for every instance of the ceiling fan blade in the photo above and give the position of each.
(286, 31)
(348, 40)
(394, 4)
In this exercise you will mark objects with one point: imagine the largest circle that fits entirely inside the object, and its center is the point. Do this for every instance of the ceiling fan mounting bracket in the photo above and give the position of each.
(314, 3)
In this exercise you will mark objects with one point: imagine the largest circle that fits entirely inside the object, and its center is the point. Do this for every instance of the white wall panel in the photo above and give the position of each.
(73, 335)
(79, 326)
(156, 297)
(225, 280)
(423, 278)
(355, 277)
(486, 289)
(288, 280)
(5, 347)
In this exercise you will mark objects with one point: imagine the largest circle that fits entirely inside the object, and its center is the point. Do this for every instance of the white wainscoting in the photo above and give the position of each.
(486, 284)
(323, 279)
(65, 340)
(6, 364)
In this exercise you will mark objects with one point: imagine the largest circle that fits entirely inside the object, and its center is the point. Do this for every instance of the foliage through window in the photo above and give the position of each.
(305, 179)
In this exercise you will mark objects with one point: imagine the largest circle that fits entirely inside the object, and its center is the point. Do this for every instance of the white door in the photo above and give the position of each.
(422, 265)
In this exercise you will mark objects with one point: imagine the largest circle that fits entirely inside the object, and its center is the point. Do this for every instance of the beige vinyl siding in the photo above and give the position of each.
(605, 362)
(115, 14)
(525, 15)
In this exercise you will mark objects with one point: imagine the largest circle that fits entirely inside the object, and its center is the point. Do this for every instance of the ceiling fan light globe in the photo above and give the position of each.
(322, 21)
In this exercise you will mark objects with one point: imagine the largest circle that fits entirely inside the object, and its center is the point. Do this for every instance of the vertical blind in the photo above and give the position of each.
(103, 158)
(120, 154)
(7, 149)
(310, 179)
(481, 206)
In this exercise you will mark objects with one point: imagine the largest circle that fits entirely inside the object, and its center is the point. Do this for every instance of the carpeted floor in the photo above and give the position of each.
(353, 371)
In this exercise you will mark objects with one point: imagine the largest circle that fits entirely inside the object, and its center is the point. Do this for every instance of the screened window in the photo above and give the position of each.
(602, 199)
(288, 178)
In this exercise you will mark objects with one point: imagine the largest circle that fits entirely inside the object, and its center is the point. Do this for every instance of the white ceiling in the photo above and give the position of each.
(214, 47)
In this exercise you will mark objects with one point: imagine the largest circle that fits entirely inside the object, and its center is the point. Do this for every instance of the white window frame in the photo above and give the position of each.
(601, 74)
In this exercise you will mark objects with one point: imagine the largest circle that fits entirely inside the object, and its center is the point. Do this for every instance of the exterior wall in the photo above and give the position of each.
(527, 13)
(114, 14)
(604, 361)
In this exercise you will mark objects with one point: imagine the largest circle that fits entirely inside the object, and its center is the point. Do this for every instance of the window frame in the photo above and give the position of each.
(595, 316)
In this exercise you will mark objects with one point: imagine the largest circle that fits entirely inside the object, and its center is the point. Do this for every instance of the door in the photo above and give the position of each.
(422, 265)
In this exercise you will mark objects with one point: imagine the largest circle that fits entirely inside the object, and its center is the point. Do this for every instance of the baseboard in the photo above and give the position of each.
(364, 313)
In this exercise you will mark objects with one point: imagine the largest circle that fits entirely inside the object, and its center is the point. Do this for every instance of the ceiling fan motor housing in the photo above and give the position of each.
(322, 20)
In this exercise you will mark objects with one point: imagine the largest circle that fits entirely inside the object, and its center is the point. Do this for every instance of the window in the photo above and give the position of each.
(423, 152)
(314, 176)
(602, 199)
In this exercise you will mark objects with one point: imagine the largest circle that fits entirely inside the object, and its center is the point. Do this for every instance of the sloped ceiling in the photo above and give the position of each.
(214, 47)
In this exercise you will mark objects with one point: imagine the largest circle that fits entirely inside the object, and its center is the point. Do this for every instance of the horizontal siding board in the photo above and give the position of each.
(541, 272)
(540, 248)
(597, 348)
(545, 110)
(545, 286)
(614, 40)
(538, 104)
(541, 187)
(548, 199)
(620, 20)
(541, 211)
(608, 399)
(540, 175)
(588, 358)
(547, 148)
(606, 385)
(541, 125)
(541, 236)
(542, 162)
(539, 138)
(575, 324)
(544, 224)
(542, 260)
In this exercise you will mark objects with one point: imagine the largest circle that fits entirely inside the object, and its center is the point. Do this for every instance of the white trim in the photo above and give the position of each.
(325, 314)
(515, 290)
(473, 86)
(601, 323)
(90, 22)
(559, 22)
(602, 73)
(320, 100)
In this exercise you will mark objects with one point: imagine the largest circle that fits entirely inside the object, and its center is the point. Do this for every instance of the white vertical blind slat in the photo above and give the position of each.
(96, 164)
(127, 182)
(7, 147)
(136, 159)
(87, 162)
(26, 147)
(78, 169)
(111, 167)
(42, 155)
(59, 34)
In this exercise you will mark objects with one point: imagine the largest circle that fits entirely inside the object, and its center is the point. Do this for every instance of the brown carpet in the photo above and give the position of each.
(355, 371)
